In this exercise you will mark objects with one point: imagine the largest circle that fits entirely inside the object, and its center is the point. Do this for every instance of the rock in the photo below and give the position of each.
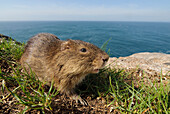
(151, 63)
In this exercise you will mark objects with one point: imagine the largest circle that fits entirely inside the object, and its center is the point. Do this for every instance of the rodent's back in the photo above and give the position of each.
(41, 44)
(38, 51)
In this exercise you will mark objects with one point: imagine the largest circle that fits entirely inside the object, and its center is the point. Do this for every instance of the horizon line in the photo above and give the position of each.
(78, 21)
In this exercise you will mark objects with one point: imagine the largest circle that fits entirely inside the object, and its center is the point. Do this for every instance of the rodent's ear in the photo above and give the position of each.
(66, 45)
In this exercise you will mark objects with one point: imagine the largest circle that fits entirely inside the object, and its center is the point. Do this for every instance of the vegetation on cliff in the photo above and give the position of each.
(112, 90)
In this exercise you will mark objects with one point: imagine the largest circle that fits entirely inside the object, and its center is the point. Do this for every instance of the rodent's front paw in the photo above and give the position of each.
(77, 98)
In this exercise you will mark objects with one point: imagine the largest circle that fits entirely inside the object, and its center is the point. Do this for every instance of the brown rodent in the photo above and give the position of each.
(65, 62)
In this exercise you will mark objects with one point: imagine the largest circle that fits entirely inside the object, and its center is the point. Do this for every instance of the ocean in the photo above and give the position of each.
(124, 38)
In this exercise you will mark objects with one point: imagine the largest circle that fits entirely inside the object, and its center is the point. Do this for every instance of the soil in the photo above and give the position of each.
(60, 104)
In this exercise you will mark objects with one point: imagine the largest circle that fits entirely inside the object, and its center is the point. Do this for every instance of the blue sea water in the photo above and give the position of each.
(126, 38)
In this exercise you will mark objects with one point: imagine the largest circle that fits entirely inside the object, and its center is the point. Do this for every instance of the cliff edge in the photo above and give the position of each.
(151, 63)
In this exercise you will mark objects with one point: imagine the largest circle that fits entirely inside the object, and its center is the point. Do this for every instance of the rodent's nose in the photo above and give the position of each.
(105, 59)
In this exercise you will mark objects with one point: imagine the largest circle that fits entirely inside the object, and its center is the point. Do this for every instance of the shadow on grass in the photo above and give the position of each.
(99, 85)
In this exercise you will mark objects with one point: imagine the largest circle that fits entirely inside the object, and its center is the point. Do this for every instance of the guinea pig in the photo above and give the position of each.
(65, 62)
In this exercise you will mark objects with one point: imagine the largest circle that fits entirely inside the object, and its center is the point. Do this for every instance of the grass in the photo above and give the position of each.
(125, 97)
(10, 51)
(113, 85)
(33, 91)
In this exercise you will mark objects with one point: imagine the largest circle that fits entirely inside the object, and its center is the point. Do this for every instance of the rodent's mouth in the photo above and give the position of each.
(95, 71)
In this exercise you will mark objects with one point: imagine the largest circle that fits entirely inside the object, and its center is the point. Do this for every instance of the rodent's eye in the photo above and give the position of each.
(83, 50)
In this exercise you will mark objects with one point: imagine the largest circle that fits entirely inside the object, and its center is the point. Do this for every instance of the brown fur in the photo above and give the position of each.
(62, 61)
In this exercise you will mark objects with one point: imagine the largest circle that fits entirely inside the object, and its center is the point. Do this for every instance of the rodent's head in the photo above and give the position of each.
(81, 57)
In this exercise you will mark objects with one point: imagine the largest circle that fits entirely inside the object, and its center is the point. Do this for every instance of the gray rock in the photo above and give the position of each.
(151, 63)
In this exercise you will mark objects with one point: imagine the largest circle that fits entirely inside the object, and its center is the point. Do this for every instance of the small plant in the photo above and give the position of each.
(103, 47)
